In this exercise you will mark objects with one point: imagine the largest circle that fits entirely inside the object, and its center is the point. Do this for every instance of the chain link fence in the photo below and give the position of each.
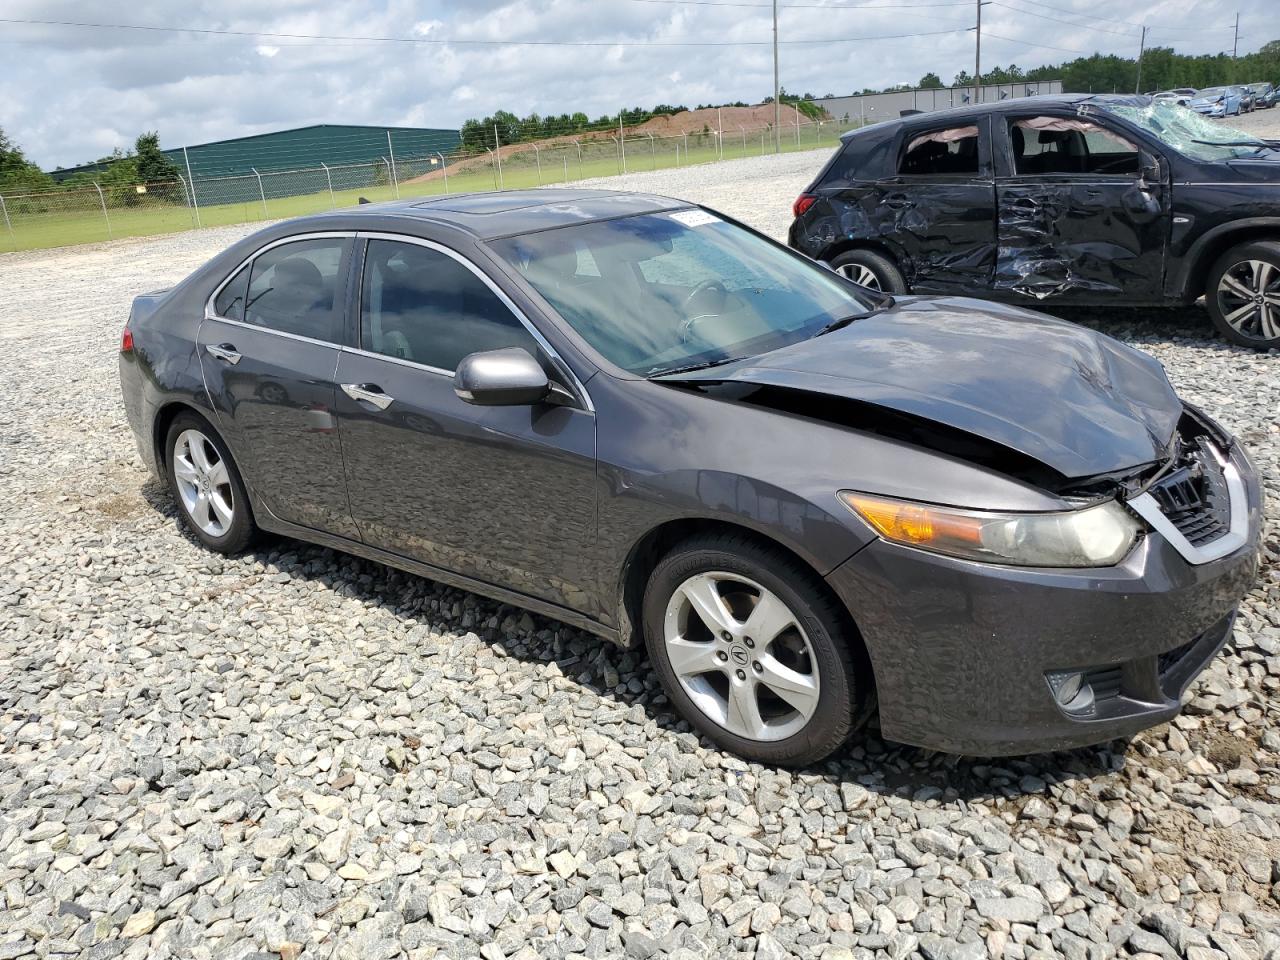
(107, 210)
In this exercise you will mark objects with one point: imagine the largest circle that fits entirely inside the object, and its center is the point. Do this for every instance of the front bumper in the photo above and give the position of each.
(963, 651)
(1217, 110)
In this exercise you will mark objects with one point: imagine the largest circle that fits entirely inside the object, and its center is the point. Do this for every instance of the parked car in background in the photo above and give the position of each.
(1070, 199)
(647, 420)
(1246, 99)
(1217, 102)
(1264, 95)
(1182, 96)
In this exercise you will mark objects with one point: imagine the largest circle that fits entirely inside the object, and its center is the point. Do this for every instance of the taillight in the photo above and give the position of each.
(126, 341)
(803, 203)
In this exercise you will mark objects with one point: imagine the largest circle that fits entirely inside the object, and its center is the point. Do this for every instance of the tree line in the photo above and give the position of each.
(144, 164)
(1162, 69)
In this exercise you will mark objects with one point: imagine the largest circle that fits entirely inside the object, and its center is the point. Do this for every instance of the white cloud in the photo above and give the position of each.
(71, 94)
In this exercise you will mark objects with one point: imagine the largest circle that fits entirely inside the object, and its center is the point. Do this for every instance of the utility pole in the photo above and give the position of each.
(1142, 45)
(777, 90)
(1235, 41)
(977, 57)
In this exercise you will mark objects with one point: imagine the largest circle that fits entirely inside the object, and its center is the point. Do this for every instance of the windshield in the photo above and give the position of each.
(1190, 133)
(664, 291)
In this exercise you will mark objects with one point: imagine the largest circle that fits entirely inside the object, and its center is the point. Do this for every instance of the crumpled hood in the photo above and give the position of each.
(1078, 401)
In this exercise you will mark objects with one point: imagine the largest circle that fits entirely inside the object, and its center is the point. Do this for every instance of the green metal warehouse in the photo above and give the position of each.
(228, 171)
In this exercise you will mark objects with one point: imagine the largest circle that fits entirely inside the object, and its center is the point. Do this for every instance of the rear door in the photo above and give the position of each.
(940, 208)
(1076, 218)
(503, 494)
(268, 348)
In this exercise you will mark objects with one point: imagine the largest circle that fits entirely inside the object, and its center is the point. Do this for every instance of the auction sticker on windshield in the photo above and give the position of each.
(694, 218)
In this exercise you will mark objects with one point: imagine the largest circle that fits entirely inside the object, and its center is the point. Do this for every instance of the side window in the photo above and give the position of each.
(420, 304)
(1056, 145)
(953, 150)
(294, 288)
(230, 302)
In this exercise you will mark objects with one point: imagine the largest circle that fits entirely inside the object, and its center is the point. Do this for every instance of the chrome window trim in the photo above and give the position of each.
(1237, 534)
(400, 360)
(211, 314)
(579, 389)
(275, 333)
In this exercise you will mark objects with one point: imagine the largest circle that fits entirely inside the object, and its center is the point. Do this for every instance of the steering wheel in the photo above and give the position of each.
(706, 286)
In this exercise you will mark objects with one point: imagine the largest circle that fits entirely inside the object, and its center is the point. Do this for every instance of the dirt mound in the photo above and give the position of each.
(690, 121)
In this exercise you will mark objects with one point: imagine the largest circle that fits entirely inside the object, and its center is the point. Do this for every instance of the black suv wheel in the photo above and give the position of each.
(1243, 294)
(870, 269)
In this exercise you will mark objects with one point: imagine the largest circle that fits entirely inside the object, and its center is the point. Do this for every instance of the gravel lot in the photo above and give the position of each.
(296, 752)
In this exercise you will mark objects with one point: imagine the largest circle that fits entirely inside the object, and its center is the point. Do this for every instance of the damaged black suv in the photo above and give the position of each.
(1069, 199)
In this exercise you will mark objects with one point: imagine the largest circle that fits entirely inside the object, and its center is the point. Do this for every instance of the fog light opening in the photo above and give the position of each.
(1071, 691)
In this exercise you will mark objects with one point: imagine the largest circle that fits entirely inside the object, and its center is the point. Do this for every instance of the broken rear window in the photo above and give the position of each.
(953, 150)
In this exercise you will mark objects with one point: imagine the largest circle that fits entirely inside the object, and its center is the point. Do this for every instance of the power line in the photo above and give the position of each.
(440, 41)
(1074, 13)
(1043, 46)
(806, 6)
(1070, 23)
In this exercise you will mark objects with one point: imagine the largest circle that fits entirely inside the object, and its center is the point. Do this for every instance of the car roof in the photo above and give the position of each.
(504, 213)
(1013, 104)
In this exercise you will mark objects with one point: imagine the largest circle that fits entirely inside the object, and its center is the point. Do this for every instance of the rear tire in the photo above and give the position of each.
(870, 269)
(207, 486)
(792, 694)
(1243, 295)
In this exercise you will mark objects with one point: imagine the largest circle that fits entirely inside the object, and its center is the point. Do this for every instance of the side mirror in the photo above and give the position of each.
(509, 377)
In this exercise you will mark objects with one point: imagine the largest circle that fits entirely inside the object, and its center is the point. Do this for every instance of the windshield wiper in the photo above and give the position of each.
(705, 364)
(838, 324)
(1235, 143)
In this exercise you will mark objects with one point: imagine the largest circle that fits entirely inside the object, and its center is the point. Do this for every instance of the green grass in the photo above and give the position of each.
(85, 222)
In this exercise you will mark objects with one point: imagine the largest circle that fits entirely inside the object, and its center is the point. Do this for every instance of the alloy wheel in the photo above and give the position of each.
(204, 483)
(1249, 299)
(740, 654)
(861, 275)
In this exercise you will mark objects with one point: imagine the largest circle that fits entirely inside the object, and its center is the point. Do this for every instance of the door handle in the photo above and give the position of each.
(369, 393)
(897, 200)
(1024, 203)
(225, 352)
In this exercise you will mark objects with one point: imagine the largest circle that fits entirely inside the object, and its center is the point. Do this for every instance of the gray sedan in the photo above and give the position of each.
(644, 419)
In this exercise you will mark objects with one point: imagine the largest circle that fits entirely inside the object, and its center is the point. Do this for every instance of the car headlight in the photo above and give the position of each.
(1097, 536)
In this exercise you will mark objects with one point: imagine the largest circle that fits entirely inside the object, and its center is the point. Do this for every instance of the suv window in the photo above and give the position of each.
(230, 302)
(953, 150)
(294, 287)
(1052, 145)
(422, 305)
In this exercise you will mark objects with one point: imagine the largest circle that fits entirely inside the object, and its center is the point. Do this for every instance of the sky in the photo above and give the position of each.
(72, 93)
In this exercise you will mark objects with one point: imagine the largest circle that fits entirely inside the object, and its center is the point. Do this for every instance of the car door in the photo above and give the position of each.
(1081, 214)
(268, 349)
(940, 208)
(503, 494)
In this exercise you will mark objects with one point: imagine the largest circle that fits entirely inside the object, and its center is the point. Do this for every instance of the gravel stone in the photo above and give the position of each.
(298, 753)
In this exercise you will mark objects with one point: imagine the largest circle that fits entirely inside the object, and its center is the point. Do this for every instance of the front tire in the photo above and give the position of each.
(870, 269)
(753, 652)
(207, 485)
(1243, 295)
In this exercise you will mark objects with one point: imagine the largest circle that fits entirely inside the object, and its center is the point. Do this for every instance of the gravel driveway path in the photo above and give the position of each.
(296, 752)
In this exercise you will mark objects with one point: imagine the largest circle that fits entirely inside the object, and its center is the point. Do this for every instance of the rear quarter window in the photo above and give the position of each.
(861, 158)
